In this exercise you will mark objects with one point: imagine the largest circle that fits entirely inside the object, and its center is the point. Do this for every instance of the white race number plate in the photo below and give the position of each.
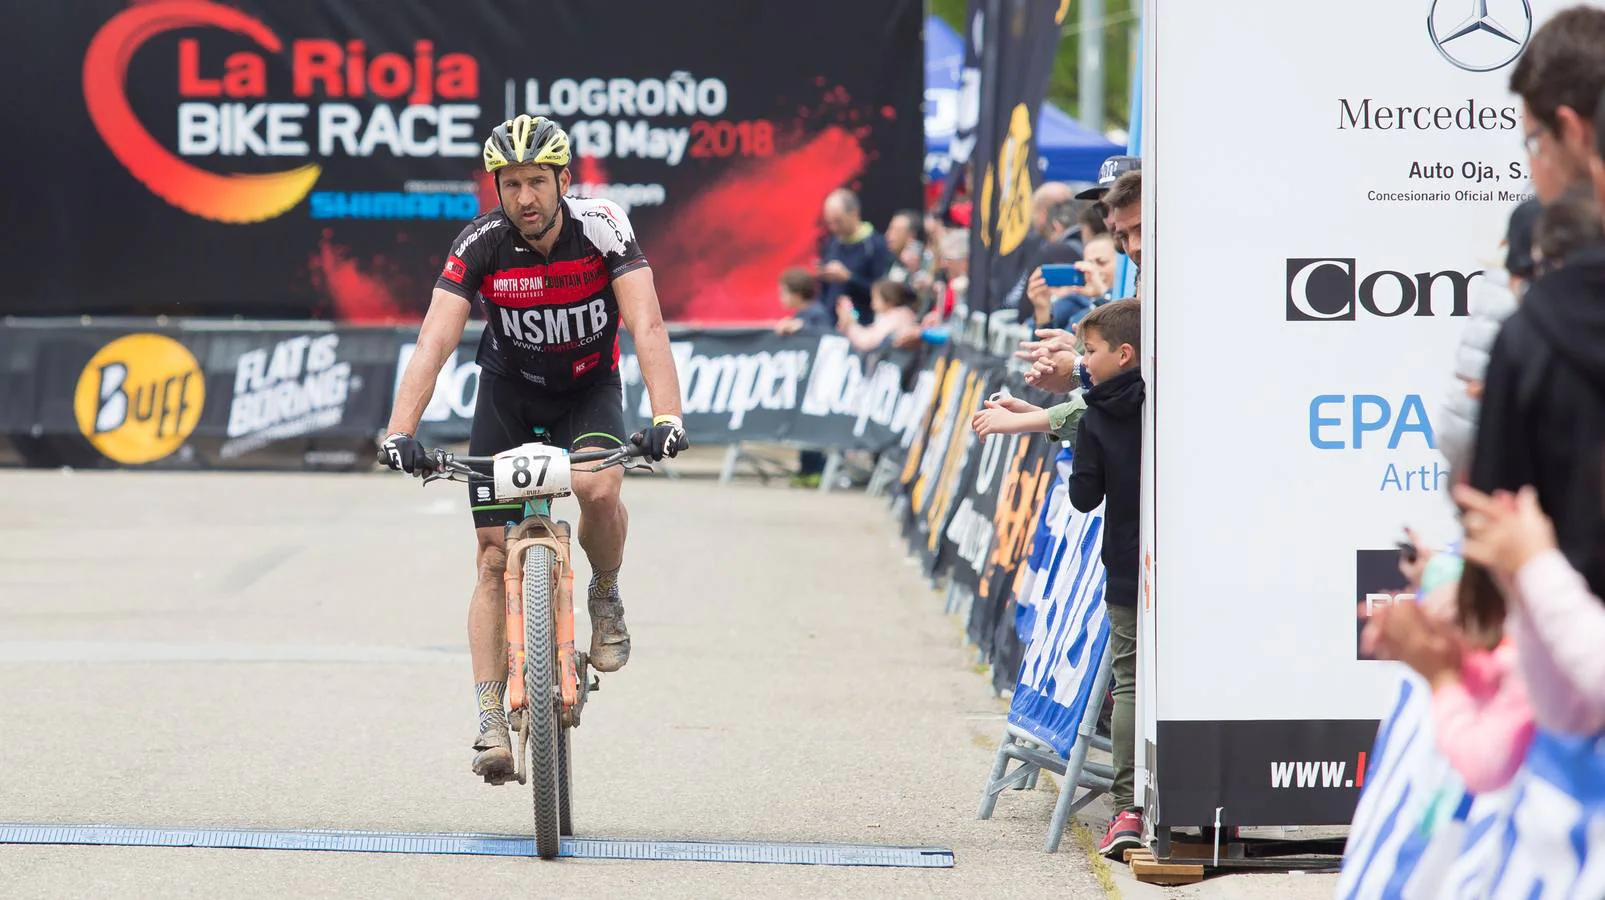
(532, 470)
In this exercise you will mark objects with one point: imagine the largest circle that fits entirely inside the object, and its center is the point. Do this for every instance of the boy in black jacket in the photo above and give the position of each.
(1108, 469)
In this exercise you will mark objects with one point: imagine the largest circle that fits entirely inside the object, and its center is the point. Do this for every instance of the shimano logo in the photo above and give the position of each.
(1333, 289)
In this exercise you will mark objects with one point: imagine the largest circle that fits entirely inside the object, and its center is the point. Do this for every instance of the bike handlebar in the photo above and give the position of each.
(445, 464)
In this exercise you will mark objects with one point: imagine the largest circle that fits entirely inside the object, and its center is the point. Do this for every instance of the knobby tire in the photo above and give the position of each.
(542, 703)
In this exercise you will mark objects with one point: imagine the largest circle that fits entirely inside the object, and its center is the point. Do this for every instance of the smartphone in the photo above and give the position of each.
(1407, 549)
(1060, 275)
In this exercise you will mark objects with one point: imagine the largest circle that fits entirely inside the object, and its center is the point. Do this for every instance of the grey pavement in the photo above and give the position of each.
(288, 651)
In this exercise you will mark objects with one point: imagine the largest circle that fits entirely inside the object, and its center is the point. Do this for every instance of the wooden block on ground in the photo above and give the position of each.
(1150, 871)
(1179, 850)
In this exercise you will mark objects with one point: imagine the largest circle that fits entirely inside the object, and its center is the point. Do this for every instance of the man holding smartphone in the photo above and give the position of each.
(1057, 233)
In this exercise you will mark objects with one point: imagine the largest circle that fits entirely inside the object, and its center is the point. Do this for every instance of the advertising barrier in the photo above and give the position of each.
(301, 159)
(735, 385)
(296, 395)
(1390, 185)
(1061, 619)
(91, 396)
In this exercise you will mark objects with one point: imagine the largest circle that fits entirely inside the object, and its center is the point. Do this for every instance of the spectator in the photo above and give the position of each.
(1108, 173)
(1482, 716)
(1098, 266)
(1482, 711)
(903, 246)
(1057, 241)
(956, 266)
(1519, 245)
(1060, 308)
(1570, 224)
(1124, 201)
(1559, 622)
(799, 295)
(1055, 355)
(894, 314)
(854, 256)
(1091, 223)
(1493, 299)
(1542, 420)
(1107, 470)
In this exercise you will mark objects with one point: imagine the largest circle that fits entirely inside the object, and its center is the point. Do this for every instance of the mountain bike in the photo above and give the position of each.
(548, 681)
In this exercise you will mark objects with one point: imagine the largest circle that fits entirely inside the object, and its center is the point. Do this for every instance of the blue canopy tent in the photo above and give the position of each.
(1068, 150)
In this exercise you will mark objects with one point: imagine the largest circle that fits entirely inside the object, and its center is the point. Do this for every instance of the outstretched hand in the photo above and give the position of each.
(1403, 631)
(1012, 404)
(1049, 341)
(1503, 531)
(1054, 373)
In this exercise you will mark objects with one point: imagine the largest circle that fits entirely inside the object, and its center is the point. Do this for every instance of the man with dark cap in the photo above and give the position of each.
(1108, 174)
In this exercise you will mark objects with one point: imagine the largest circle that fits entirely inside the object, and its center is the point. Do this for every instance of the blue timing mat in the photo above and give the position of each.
(478, 845)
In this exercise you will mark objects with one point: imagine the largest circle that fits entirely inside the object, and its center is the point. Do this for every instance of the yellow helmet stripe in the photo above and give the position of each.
(520, 132)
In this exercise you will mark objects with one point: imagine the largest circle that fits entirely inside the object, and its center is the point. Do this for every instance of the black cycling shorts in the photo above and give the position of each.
(507, 414)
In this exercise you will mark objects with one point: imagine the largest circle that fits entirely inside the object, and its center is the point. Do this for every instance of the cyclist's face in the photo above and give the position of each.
(530, 196)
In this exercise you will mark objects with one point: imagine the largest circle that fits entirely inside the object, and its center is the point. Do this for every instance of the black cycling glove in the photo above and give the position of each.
(666, 437)
(404, 453)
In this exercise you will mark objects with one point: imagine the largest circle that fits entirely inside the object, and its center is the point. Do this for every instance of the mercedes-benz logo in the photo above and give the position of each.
(1481, 41)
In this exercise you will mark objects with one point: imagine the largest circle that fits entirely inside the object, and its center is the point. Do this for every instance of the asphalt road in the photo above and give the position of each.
(288, 651)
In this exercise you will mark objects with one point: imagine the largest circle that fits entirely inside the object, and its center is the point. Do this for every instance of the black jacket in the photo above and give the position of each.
(1542, 420)
(1107, 465)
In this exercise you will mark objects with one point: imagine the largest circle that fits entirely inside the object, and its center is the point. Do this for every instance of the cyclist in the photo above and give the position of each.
(555, 276)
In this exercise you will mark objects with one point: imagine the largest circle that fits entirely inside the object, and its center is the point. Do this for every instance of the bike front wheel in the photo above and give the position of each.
(542, 700)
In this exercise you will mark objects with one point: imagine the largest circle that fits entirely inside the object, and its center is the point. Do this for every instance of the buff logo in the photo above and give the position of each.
(224, 110)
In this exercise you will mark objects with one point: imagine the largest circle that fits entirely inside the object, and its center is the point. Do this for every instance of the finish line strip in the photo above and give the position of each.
(478, 845)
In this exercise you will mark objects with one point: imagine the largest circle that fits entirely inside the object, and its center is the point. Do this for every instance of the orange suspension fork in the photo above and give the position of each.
(513, 583)
(566, 663)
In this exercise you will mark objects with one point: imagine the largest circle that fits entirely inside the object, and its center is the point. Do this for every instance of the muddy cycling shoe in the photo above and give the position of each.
(495, 760)
(610, 640)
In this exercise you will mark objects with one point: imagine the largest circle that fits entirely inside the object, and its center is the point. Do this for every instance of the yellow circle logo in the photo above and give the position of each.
(139, 398)
(1009, 176)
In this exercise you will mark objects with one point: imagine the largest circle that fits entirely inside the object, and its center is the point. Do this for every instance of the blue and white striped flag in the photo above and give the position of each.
(1062, 601)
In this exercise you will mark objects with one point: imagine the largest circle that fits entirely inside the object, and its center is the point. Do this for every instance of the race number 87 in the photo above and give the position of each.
(523, 474)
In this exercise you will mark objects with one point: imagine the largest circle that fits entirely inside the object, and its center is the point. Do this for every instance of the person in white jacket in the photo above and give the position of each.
(1493, 298)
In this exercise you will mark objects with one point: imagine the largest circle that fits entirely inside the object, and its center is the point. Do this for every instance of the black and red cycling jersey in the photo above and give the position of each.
(550, 321)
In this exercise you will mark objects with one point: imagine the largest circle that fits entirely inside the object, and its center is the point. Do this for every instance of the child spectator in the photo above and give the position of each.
(893, 305)
(1107, 469)
(1557, 621)
(799, 295)
(1482, 717)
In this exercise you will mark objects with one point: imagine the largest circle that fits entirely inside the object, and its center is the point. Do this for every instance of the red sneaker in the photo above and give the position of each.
(1125, 833)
